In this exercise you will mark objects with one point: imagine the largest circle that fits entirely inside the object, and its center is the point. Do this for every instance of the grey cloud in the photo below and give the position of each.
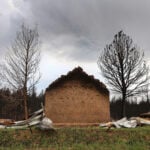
(79, 29)
(10, 21)
(92, 20)
(80, 49)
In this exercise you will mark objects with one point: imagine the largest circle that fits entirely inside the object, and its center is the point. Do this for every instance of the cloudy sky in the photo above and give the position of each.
(73, 32)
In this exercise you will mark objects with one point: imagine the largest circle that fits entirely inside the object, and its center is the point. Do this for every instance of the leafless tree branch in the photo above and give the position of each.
(21, 68)
(122, 64)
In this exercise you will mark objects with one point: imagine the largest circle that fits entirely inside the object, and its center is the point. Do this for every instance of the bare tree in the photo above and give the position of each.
(21, 68)
(122, 64)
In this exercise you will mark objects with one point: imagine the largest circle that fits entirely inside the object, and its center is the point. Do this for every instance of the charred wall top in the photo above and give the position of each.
(84, 78)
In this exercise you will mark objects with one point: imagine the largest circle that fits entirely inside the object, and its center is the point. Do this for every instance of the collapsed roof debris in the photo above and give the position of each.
(37, 119)
(127, 123)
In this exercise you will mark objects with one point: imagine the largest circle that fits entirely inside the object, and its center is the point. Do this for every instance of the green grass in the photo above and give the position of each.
(90, 138)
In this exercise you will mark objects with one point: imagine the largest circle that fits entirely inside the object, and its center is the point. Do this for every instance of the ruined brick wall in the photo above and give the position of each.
(73, 102)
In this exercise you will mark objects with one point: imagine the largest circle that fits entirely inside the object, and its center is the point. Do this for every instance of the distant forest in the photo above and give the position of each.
(11, 105)
(133, 107)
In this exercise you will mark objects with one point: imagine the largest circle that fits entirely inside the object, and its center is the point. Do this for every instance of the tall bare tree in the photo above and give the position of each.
(122, 64)
(21, 68)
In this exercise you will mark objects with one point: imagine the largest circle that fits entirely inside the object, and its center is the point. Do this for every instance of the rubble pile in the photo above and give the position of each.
(36, 119)
(132, 122)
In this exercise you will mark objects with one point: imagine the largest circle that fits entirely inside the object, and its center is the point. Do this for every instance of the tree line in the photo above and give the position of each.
(133, 107)
(12, 104)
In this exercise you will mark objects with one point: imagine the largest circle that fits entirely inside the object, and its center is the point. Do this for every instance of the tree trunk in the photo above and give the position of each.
(123, 113)
(25, 103)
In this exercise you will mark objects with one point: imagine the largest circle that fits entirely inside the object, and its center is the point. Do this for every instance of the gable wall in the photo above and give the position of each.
(74, 102)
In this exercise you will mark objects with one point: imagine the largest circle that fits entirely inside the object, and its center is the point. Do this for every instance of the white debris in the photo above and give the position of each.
(46, 124)
(36, 119)
(2, 126)
(141, 121)
(127, 123)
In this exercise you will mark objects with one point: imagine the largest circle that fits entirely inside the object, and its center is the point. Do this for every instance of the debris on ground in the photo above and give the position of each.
(145, 115)
(6, 121)
(36, 119)
(45, 124)
(127, 123)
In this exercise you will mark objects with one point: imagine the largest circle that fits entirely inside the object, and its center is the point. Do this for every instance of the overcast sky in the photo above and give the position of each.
(73, 32)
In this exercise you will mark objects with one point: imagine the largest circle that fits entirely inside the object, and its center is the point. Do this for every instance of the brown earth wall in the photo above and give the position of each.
(77, 103)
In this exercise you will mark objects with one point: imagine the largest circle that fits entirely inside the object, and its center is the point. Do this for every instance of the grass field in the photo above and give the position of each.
(87, 138)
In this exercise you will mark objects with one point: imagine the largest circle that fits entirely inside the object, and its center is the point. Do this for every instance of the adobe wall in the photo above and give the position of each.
(76, 103)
